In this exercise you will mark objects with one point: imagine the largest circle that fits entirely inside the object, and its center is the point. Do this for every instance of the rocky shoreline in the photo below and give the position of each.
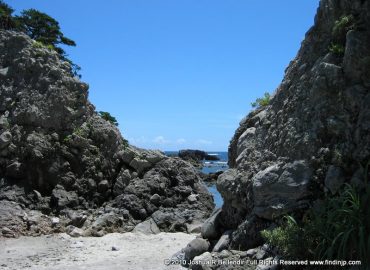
(65, 169)
(289, 155)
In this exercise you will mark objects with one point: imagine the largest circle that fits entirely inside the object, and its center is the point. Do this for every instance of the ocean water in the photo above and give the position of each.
(212, 167)
(216, 166)
(217, 198)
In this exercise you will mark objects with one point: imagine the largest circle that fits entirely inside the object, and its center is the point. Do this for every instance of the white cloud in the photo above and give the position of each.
(181, 141)
(160, 140)
(204, 142)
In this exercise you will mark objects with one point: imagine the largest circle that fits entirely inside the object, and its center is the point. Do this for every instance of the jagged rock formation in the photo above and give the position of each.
(59, 157)
(314, 134)
(312, 137)
(196, 155)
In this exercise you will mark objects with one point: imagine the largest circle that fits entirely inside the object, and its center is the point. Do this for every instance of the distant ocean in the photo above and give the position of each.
(211, 167)
(216, 166)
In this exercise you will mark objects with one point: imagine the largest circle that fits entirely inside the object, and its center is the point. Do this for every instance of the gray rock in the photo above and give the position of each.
(91, 184)
(194, 227)
(4, 123)
(192, 198)
(279, 188)
(247, 234)
(210, 228)
(38, 195)
(140, 165)
(128, 155)
(155, 199)
(62, 198)
(153, 156)
(334, 179)
(4, 71)
(195, 248)
(77, 219)
(53, 141)
(55, 221)
(203, 259)
(234, 187)
(246, 140)
(121, 183)
(107, 220)
(223, 242)
(5, 139)
(103, 186)
(147, 227)
(252, 252)
(353, 60)
(358, 179)
(6, 232)
(114, 248)
(15, 170)
(74, 232)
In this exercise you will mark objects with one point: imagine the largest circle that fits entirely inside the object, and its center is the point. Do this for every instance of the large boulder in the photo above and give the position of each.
(280, 188)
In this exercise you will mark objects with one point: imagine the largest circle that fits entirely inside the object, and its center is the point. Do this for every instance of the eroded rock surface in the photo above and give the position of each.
(59, 157)
(313, 136)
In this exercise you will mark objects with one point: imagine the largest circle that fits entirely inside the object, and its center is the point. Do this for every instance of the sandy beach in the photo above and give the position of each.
(60, 251)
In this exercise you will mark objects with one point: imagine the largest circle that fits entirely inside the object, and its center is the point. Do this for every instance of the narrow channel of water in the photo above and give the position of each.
(213, 167)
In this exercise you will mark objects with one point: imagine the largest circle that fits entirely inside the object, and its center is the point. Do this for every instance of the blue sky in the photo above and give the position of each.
(180, 73)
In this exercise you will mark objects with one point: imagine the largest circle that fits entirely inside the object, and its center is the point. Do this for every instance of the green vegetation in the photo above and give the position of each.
(40, 27)
(125, 143)
(339, 230)
(343, 226)
(287, 238)
(339, 32)
(40, 45)
(6, 19)
(81, 132)
(67, 139)
(260, 102)
(43, 28)
(343, 25)
(337, 49)
(108, 117)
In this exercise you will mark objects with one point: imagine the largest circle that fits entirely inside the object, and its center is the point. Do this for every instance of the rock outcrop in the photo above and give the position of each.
(59, 158)
(313, 136)
(196, 155)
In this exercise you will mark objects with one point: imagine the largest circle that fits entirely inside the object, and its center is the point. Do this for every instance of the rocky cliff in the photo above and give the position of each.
(63, 167)
(312, 137)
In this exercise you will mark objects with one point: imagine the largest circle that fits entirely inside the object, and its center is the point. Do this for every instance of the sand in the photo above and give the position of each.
(62, 252)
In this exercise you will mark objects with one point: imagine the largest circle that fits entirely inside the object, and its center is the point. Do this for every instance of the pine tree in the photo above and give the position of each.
(43, 28)
(6, 19)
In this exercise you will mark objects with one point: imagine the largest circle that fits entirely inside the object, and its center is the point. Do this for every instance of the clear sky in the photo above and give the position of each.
(180, 73)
